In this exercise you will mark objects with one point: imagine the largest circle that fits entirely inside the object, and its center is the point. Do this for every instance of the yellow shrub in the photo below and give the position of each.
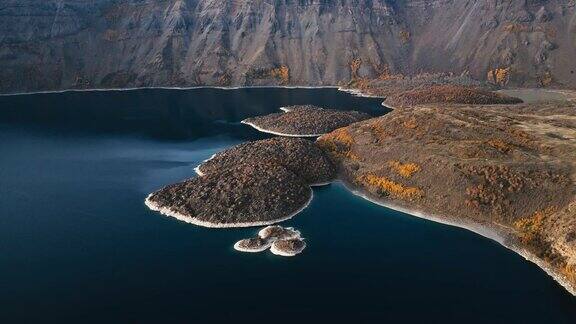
(282, 73)
(499, 76)
(395, 189)
(516, 28)
(355, 67)
(340, 135)
(530, 227)
(406, 170)
(339, 143)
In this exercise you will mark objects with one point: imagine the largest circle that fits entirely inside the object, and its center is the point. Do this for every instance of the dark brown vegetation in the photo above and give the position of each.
(276, 232)
(300, 156)
(449, 94)
(237, 196)
(306, 121)
(289, 247)
(253, 244)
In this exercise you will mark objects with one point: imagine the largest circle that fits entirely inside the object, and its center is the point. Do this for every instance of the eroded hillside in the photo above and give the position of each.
(56, 44)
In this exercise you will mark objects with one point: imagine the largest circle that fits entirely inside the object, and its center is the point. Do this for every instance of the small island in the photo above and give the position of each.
(305, 121)
(253, 245)
(278, 233)
(282, 241)
(288, 248)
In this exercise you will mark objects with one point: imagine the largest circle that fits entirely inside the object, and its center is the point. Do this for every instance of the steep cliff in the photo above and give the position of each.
(58, 44)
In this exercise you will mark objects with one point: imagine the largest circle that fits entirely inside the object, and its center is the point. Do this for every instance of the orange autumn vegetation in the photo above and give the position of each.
(355, 67)
(500, 145)
(394, 189)
(384, 74)
(282, 73)
(406, 170)
(499, 76)
(545, 79)
(530, 227)
(339, 143)
(516, 28)
(340, 135)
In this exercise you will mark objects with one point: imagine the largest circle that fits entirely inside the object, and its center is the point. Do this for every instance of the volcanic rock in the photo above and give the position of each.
(300, 156)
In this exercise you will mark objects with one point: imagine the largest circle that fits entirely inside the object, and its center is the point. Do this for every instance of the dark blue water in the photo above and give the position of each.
(77, 243)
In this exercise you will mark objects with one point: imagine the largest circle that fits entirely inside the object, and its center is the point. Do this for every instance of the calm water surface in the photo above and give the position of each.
(78, 244)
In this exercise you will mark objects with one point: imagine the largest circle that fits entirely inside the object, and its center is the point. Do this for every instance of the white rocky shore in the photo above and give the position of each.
(282, 241)
(497, 235)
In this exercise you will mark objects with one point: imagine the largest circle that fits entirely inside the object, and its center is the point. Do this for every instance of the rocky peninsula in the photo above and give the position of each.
(305, 121)
(302, 157)
(447, 93)
(507, 172)
(240, 196)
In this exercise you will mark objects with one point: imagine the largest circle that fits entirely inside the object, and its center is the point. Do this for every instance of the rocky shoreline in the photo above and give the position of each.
(484, 229)
(505, 172)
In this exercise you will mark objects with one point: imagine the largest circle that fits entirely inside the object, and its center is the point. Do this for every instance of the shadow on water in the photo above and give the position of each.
(165, 114)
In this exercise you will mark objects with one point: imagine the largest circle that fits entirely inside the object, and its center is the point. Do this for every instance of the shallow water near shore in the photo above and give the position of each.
(78, 243)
